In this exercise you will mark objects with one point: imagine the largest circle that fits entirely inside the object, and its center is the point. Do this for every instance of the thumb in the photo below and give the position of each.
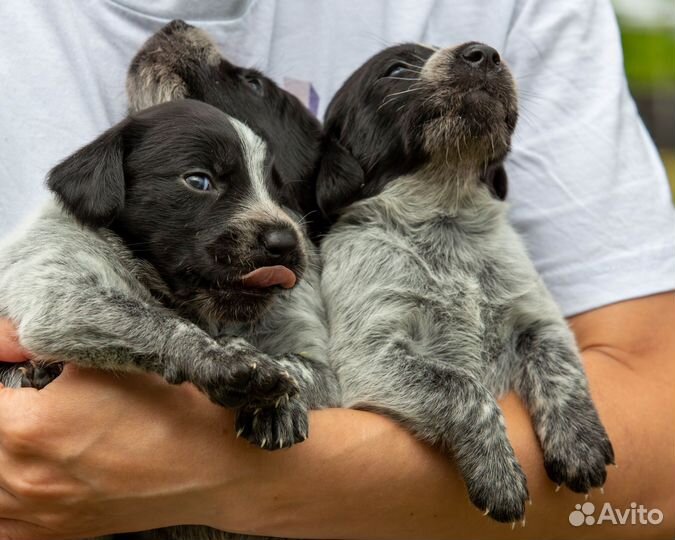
(10, 350)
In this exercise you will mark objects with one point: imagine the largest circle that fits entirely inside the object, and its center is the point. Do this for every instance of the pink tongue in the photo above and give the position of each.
(268, 276)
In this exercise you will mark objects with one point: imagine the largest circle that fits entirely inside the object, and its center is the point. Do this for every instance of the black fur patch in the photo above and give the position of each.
(291, 132)
(376, 122)
(132, 180)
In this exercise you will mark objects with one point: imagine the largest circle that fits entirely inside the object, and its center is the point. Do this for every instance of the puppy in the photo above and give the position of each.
(181, 61)
(162, 233)
(435, 309)
(164, 210)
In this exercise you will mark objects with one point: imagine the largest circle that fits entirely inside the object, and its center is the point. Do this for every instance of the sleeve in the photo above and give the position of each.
(588, 191)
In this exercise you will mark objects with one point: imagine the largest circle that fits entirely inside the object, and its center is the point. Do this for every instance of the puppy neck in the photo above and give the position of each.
(429, 192)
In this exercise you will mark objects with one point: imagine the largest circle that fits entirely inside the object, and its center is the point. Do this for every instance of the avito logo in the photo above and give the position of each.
(584, 514)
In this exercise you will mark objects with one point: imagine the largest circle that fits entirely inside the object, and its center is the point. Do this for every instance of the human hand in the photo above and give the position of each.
(10, 350)
(95, 453)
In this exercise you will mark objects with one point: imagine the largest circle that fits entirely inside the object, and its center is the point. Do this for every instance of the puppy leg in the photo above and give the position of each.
(11, 375)
(38, 376)
(108, 330)
(295, 323)
(29, 374)
(553, 385)
(283, 424)
(450, 408)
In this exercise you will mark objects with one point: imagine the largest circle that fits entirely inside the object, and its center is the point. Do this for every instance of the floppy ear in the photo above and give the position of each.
(340, 179)
(90, 183)
(496, 180)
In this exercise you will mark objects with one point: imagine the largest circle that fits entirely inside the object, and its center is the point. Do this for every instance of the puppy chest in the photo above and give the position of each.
(427, 284)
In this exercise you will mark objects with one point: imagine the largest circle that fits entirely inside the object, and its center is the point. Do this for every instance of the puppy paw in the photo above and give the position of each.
(499, 490)
(577, 457)
(38, 375)
(256, 382)
(274, 427)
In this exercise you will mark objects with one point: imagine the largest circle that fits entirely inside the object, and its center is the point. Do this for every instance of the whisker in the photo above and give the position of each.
(402, 79)
(378, 39)
(411, 65)
(527, 75)
(392, 97)
(420, 58)
(528, 111)
(303, 219)
(403, 92)
(528, 94)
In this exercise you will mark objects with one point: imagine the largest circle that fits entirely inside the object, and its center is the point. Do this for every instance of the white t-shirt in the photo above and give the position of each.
(587, 189)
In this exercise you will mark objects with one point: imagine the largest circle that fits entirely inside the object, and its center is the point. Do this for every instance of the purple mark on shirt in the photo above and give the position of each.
(305, 92)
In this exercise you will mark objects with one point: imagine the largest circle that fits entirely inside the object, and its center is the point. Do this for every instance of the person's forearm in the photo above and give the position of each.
(100, 453)
(378, 482)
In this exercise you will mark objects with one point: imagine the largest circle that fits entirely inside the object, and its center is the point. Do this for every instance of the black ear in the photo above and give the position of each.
(340, 178)
(90, 183)
(496, 180)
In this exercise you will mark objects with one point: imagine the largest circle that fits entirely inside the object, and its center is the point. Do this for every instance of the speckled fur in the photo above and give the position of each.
(435, 309)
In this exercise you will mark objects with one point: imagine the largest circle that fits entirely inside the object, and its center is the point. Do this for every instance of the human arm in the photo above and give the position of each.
(92, 454)
(390, 486)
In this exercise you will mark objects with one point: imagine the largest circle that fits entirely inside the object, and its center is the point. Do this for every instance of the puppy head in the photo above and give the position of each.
(412, 106)
(189, 190)
(181, 61)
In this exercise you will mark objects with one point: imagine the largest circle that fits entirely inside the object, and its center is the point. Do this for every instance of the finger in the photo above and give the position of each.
(10, 350)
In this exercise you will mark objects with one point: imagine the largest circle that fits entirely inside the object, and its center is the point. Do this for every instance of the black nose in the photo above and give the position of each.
(280, 242)
(480, 56)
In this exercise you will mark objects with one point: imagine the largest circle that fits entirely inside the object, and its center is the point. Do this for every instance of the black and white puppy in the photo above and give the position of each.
(435, 309)
(165, 217)
(165, 238)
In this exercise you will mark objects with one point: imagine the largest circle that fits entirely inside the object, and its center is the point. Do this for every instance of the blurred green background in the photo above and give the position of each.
(648, 34)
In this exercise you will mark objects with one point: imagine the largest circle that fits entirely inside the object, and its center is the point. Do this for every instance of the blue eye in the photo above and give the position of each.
(198, 181)
(396, 70)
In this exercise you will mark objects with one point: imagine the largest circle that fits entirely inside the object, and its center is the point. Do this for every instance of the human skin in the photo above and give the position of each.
(10, 350)
(94, 453)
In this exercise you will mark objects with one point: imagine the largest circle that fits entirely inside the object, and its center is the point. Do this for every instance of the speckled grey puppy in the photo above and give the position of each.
(434, 307)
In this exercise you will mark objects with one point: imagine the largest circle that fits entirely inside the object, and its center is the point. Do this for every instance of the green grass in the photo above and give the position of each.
(668, 157)
(649, 56)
